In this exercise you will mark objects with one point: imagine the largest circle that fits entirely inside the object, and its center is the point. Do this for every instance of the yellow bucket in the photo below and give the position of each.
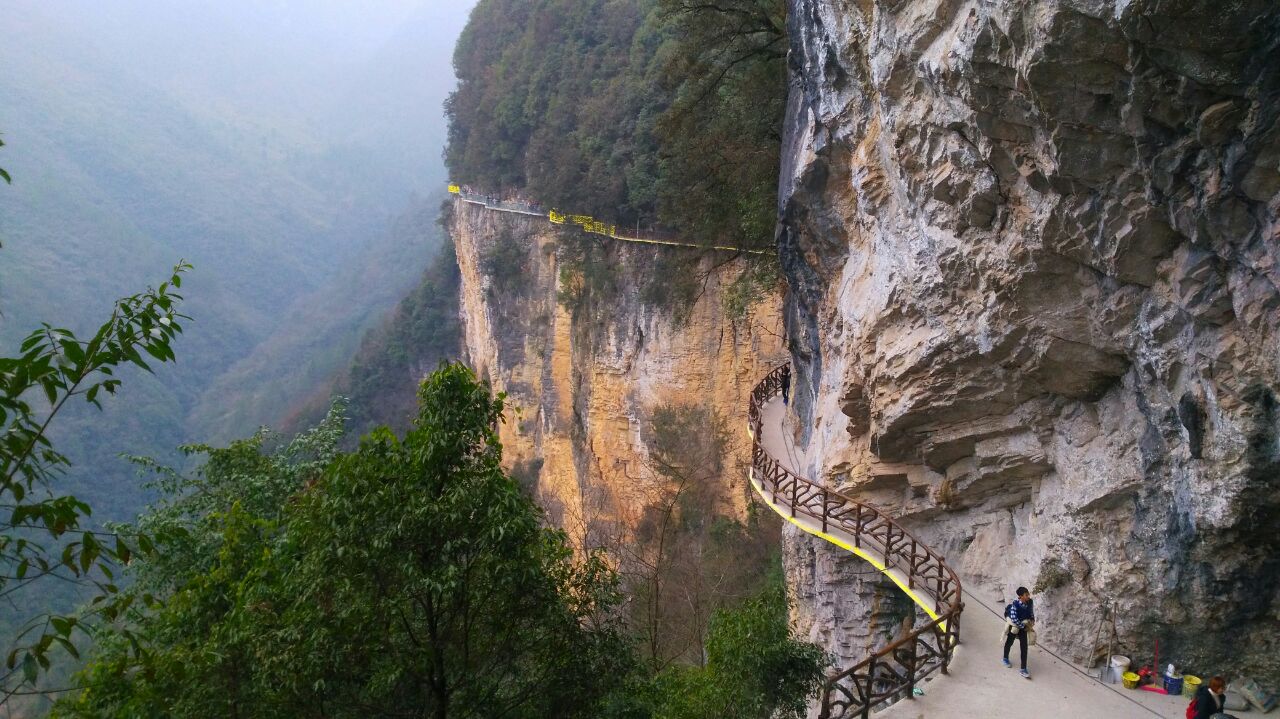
(1190, 684)
(1131, 680)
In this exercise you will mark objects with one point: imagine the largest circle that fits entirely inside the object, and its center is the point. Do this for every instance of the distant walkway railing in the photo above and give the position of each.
(586, 222)
(893, 672)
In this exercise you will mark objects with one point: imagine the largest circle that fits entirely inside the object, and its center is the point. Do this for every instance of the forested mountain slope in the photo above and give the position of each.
(656, 112)
(274, 155)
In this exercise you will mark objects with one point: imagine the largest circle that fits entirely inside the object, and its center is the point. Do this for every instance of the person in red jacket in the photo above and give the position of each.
(1208, 701)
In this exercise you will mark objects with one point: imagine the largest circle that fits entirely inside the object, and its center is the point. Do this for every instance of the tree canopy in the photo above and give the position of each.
(409, 577)
(45, 532)
(660, 112)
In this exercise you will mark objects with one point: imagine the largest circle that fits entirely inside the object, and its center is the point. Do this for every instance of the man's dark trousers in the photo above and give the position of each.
(1021, 636)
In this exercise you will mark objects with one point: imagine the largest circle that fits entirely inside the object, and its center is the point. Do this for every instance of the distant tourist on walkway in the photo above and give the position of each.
(786, 385)
(1208, 701)
(1019, 616)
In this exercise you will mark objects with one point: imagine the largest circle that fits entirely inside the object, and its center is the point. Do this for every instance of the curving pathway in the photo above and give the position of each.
(978, 686)
(895, 671)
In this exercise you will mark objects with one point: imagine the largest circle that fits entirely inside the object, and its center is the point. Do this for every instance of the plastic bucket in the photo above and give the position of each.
(1120, 662)
(1190, 683)
(1173, 685)
(1130, 680)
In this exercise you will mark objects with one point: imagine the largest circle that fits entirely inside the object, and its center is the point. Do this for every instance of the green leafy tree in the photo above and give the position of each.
(45, 535)
(410, 577)
(754, 669)
(214, 528)
(721, 136)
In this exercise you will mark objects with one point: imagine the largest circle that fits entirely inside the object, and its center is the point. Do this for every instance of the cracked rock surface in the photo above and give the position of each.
(1034, 268)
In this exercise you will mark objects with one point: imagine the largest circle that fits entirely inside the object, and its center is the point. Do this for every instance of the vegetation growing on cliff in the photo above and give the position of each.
(656, 112)
(690, 555)
(424, 330)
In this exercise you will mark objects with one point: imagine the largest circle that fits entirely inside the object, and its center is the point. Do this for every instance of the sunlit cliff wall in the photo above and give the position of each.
(582, 384)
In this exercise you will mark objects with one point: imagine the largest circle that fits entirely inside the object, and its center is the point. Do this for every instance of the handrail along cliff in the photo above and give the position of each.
(894, 671)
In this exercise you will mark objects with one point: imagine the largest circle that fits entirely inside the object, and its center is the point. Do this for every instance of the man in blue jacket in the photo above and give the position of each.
(1017, 615)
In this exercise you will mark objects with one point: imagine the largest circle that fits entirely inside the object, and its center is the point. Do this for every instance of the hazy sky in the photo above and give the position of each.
(120, 115)
(288, 63)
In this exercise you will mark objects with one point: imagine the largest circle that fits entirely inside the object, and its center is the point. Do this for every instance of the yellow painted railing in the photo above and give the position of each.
(586, 222)
(890, 673)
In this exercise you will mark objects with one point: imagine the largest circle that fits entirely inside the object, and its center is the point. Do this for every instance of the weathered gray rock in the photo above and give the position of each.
(1033, 257)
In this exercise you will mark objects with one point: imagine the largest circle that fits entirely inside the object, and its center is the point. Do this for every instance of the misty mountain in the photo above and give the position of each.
(273, 145)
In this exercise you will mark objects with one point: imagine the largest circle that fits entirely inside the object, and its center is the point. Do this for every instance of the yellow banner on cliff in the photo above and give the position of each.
(454, 189)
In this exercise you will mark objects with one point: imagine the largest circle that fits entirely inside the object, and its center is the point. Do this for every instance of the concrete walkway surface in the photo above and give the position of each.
(979, 685)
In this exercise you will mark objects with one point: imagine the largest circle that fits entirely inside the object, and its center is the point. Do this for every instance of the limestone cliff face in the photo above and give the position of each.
(1032, 250)
(582, 384)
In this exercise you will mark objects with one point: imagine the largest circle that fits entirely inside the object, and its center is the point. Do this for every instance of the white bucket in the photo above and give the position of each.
(1114, 672)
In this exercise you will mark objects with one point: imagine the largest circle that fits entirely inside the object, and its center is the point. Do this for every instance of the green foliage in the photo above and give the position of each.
(759, 279)
(663, 112)
(754, 669)
(722, 133)
(506, 261)
(410, 577)
(44, 534)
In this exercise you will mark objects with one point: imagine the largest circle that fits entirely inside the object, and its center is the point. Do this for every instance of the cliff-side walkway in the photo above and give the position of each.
(893, 672)
(587, 223)
(976, 684)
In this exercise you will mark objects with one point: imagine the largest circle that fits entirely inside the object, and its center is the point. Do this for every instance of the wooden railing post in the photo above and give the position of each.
(911, 571)
(912, 658)
(947, 645)
(824, 510)
(870, 688)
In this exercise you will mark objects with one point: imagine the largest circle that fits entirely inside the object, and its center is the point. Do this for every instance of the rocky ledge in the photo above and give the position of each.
(1032, 253)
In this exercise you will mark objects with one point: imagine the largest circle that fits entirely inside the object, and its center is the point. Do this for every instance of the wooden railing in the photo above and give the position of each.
(893, 672)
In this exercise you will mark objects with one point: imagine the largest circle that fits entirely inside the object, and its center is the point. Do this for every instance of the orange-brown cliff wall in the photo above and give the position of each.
(582, 384)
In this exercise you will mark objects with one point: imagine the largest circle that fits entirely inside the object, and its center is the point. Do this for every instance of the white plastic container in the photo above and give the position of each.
(1115, 670)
